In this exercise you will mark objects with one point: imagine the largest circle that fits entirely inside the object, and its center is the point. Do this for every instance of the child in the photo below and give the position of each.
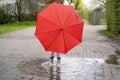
(52, 54)
(52, 58)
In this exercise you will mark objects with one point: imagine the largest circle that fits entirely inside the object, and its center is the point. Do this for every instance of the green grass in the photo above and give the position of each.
(6, 28)
(110, 35)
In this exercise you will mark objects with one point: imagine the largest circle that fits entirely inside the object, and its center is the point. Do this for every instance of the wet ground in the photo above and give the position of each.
(23, 58)
(74, 68)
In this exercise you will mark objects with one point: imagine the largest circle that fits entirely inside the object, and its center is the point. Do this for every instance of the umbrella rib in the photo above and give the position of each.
(49, 21)
(73, 24)
(67, 19)
(64, 40)
(49, 31)
(53, 41)
(72, 35)
(58, 16)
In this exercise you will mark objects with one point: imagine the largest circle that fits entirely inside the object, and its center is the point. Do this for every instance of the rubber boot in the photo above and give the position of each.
(51, 61)
(58, 61)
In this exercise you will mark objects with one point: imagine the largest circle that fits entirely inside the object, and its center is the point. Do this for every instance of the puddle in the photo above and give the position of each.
(72, 68)
(33, 67)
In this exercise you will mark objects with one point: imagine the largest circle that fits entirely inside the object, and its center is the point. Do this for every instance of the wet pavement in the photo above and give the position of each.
(23, 58)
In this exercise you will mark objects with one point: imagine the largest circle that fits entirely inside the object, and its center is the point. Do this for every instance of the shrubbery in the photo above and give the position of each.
(5, 18)
(113, 16)
(8, 18)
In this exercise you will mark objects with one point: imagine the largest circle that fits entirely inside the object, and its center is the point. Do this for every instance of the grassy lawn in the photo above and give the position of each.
(110, 35)
(6, 28)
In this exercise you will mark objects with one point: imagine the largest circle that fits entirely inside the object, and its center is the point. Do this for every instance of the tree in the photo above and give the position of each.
(80, 7)
(97, 3)
(24, 8)
(102, 1)
(18, 6)
(75, 2)
(34, 7)
(21, 10)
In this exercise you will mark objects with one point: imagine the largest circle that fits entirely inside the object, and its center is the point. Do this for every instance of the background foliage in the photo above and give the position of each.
(20, 10)
(113, 16)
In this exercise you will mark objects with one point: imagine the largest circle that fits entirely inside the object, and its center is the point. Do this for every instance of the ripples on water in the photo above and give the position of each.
(72, 68)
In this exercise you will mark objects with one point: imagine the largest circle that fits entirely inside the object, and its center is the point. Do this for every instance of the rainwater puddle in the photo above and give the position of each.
(71, 68)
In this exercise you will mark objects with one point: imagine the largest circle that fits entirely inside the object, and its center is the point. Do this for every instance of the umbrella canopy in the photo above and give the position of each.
(59, 28)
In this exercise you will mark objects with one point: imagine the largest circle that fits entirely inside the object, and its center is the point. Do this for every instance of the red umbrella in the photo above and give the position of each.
(59, 28)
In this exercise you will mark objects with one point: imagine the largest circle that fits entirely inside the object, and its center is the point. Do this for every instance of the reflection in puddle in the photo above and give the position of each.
(54, 73)
(72, 68)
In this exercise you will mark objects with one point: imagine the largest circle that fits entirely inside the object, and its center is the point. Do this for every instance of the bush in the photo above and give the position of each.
(110, 34)
(5, 18)
(2, 16)
(28, 17)
(113, 16)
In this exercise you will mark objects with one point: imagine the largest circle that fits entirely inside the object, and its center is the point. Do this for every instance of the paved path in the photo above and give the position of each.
(23, 58)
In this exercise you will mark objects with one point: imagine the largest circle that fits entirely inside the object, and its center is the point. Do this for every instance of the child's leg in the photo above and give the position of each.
(58, 56)
(51, 59)
(52, 55)
(58, 59)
